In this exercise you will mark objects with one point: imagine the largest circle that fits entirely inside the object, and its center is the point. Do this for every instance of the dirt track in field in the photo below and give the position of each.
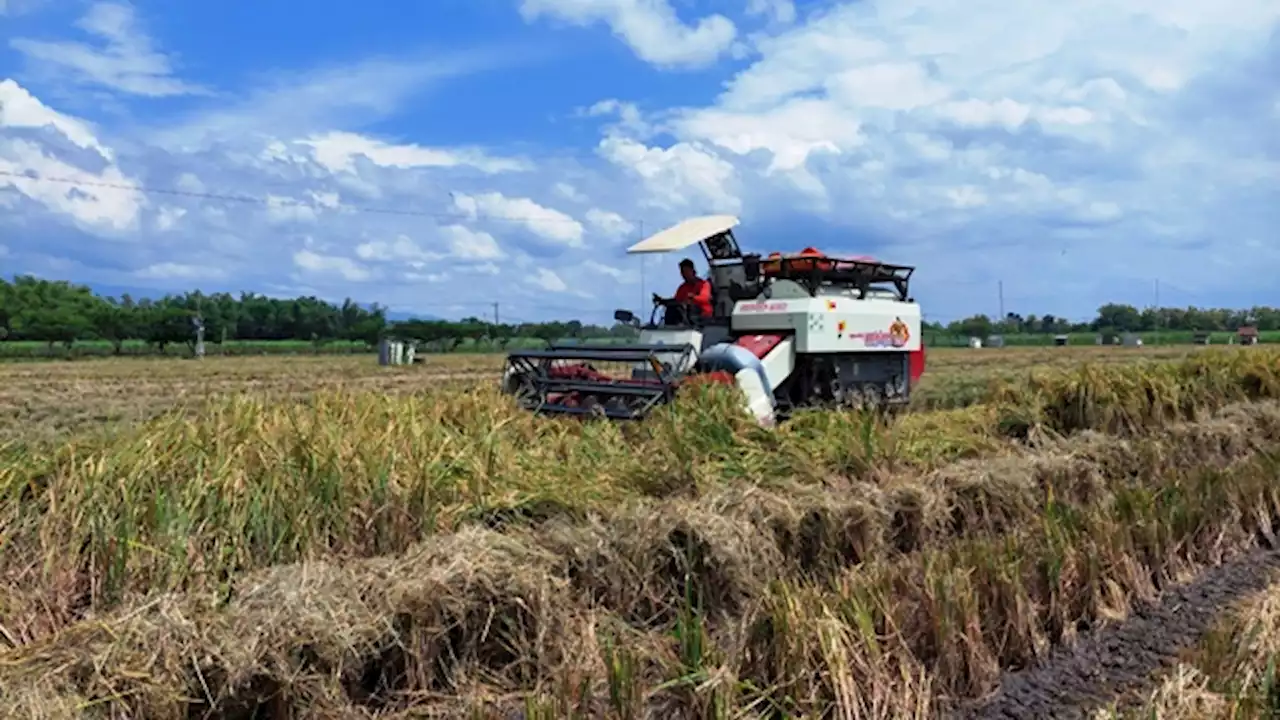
(1120, 662)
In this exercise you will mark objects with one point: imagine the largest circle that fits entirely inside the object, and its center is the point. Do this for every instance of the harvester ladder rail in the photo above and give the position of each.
(626, 354)
(638, 396)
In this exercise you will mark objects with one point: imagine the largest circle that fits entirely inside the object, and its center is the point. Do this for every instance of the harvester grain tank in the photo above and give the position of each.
(789, 331)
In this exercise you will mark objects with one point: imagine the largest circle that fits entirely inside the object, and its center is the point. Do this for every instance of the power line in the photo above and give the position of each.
(141, 190)
(490, 304)
(643, 258)
(31, 175)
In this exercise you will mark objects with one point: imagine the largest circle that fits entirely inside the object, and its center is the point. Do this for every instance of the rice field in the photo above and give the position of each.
(321, 537)
(56, 399)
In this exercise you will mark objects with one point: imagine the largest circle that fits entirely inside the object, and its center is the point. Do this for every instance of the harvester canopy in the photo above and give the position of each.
(681, 236)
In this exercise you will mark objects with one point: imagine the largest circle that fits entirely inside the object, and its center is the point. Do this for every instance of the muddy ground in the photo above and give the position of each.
(1124, 661)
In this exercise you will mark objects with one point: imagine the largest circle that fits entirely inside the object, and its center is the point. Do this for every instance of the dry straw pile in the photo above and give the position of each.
(442, 554)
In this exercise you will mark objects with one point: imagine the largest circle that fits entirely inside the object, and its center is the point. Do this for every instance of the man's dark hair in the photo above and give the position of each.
(686, 263)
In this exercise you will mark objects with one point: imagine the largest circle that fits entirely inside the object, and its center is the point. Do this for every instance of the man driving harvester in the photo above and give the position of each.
(693, 297)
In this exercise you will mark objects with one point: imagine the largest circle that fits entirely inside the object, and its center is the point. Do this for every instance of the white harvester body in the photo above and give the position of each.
(787, 331)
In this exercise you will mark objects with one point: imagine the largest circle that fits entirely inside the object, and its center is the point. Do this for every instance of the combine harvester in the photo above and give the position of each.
(790, 332)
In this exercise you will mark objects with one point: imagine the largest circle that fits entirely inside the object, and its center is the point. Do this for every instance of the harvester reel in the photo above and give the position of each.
(522, 387)
(595, 409)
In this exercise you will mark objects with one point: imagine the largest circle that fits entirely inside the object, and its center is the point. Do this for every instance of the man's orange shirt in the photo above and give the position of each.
(697, 292)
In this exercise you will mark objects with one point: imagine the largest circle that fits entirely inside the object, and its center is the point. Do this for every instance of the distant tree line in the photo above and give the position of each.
(62, 313)
(1118, 318)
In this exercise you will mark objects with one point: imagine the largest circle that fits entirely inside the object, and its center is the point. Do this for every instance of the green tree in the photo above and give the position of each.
(979, 326)
(114, 323)
(58, 312)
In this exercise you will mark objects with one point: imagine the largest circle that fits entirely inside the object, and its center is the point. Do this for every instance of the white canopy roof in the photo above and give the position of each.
(686, 233)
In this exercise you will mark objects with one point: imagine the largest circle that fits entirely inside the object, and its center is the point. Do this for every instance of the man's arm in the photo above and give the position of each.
(703, 293)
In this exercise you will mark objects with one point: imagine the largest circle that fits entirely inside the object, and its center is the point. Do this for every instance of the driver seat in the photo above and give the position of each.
(728, 282)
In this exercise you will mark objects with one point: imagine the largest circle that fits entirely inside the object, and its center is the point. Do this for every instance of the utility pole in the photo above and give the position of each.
(1000, 290)
(198, 323)
(496, 319)
(1156, 310)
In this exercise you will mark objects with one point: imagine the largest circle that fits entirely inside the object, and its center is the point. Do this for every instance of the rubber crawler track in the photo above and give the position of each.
(1123, 660)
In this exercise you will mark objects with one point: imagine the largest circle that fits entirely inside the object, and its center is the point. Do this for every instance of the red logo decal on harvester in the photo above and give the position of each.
(897, 336)
(899, 333)
(763, 307)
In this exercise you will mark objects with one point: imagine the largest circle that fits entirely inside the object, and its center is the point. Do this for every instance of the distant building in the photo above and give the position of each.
(1200, 338)
(1248, 335)
(1060, 340)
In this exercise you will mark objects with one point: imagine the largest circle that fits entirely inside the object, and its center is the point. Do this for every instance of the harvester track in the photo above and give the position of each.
(1121, 662)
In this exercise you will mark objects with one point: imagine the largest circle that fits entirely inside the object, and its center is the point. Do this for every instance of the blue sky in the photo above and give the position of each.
(467, 152)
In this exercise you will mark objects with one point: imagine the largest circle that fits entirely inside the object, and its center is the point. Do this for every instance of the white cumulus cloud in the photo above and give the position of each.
(548, 280)
(469, 244)
(650, 27)
(683, 176)
(180, 271)
(544, 222)
(346, 268)
(20, 109)
(337, 152)
(103, 201)
(609, 223)
(1072, 162)
(127, 62)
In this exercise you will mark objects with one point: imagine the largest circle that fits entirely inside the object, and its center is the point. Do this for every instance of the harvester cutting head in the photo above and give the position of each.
(788, 331)
(564, 379)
